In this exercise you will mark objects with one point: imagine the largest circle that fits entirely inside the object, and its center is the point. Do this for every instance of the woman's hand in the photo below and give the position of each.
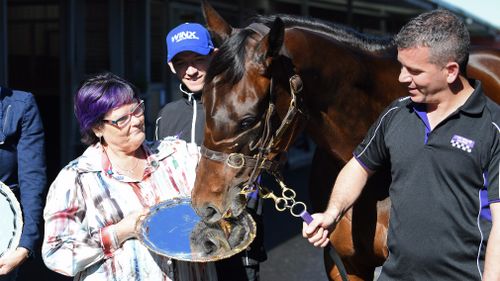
(129, 226)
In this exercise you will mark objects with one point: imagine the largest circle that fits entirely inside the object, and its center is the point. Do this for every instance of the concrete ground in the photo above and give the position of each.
(290, 257)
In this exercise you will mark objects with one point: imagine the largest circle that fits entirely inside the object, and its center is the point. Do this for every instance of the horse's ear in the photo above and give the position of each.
(275, 37)
(270, 45)
(216, 24)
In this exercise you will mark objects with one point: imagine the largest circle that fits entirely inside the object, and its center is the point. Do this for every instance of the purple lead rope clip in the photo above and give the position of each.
(306, 216)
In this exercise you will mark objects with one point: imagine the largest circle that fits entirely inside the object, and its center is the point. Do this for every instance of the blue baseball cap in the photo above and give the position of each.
(188, 37)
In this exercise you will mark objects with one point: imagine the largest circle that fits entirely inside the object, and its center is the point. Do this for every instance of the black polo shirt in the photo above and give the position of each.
(436, 231)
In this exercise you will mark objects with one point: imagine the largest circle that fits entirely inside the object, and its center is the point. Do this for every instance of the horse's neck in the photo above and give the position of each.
(345, 91)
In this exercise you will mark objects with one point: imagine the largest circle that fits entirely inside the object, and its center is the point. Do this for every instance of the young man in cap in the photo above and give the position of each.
(189, 51)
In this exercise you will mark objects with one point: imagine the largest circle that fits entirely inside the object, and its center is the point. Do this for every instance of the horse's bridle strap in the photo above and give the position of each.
(238, 160)
(295, 88)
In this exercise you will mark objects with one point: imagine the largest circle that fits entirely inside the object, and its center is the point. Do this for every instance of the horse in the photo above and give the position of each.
(282, 75)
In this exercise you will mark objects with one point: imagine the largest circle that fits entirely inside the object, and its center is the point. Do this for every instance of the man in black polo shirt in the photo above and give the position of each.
(443, 145)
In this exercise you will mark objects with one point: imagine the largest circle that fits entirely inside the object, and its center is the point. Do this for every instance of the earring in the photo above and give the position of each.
(100, 138)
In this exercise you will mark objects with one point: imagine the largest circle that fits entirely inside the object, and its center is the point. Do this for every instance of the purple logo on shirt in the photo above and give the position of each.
(464, 144)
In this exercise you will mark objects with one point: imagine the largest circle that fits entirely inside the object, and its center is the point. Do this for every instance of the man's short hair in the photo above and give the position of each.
(444, 33)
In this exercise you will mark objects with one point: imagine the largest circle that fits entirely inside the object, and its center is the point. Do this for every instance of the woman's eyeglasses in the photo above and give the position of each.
(137, 111)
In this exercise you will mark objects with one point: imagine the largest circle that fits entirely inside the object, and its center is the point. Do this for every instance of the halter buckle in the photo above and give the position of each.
(235, 160)
(296, 84)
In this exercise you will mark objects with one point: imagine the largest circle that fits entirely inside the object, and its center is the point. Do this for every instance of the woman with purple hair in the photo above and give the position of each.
(95, 202)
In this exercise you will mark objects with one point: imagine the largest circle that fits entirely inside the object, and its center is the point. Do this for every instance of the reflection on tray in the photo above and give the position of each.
(173, 229)
(218, 239)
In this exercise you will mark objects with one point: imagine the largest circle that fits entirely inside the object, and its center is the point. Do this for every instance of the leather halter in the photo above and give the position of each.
(260, 161)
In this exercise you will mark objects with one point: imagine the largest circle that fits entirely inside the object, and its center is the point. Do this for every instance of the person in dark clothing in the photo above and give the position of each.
(178, 117)
(23, 169)
(189, 51)
(443, 146)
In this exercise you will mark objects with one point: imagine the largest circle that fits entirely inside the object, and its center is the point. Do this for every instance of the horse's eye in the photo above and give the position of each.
(247, 123)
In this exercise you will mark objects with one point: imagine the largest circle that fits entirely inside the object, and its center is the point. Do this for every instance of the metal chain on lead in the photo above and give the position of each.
(287, 199)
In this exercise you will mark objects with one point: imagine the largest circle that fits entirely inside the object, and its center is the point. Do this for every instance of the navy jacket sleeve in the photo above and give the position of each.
(31, 172)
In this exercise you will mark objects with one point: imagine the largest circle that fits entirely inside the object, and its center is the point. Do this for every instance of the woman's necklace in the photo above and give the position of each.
(130, 170)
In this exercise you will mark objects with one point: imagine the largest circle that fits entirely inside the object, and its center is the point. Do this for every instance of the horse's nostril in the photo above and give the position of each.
(211, 215)
(210, 212)
(209, 247)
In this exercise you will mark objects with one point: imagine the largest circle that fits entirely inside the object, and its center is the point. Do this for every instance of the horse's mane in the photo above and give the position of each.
(338, 32)
(231, 56)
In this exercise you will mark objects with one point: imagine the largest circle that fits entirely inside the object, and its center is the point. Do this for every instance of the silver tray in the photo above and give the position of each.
(174, 230)
(11, 220)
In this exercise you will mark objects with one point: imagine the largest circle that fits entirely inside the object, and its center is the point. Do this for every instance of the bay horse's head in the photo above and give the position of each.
(249, 88)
